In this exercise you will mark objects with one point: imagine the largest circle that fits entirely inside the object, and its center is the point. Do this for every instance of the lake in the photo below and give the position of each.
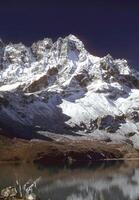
(102, 181)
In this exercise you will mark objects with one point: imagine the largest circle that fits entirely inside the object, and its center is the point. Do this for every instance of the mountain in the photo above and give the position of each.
(60, 88)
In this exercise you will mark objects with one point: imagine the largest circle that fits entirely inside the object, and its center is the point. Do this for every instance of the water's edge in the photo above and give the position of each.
(69, 152)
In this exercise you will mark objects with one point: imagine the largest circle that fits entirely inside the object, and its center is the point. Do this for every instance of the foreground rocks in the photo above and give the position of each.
(20, 191)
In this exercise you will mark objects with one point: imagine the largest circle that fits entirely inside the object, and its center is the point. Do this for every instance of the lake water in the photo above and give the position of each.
(102, 181)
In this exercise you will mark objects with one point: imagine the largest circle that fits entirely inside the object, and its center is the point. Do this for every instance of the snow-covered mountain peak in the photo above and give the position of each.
(60, 87)
(65, 63)
(72, 41)
(23, 64)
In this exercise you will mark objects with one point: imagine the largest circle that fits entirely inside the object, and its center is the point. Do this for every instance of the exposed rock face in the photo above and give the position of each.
(134, 116)
(1, 53)
(60, 87)
(3, 101)
(52, 71)
(110, 123)
(41, 48)
(36, 85)
(82, 78)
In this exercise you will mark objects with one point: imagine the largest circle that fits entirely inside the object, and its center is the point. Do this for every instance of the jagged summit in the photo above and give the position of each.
(22, 64)
(61, 88)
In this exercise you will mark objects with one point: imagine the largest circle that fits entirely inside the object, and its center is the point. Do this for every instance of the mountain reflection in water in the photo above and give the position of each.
(103, 181)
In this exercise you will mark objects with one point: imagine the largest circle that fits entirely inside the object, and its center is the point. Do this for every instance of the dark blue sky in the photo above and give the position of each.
(105, 26)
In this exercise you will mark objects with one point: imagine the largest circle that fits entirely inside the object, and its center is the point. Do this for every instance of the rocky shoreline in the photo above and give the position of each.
(63, 152)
